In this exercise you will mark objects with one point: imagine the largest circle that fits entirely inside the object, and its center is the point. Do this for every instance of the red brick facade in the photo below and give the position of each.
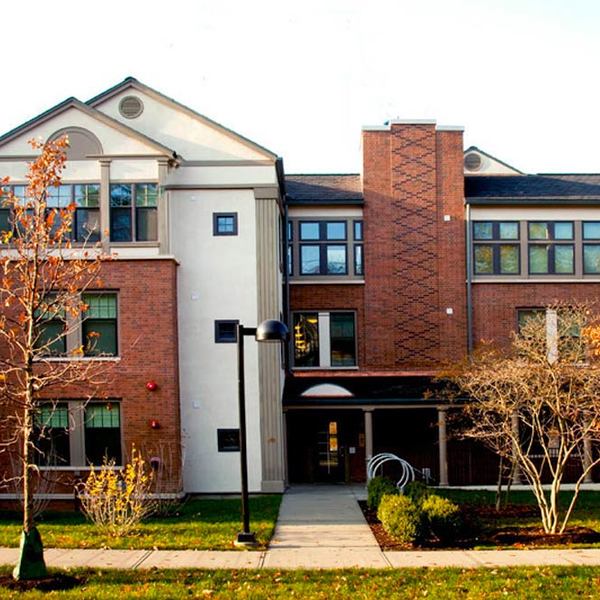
(148, 350)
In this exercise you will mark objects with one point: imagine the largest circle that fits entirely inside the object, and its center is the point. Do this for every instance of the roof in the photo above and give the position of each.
(544, 188)
(363, 390)
(133, 82)
(334, 188)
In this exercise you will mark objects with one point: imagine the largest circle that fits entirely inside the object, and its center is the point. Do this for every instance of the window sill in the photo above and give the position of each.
(308, 369)
(58, 359)
(538, 279)
(154, 244)
(79, 468)
(325, 279)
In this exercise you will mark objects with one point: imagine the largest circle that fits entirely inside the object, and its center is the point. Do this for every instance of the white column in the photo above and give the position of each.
(105, 203)
(517, 479)
(587, 458)
(443, 445)
(368, 434)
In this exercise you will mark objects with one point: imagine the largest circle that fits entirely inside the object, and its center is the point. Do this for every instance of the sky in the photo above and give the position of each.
(301, 78)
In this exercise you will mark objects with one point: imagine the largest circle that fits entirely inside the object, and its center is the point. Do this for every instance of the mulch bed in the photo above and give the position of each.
(47, 584)
(519, 537)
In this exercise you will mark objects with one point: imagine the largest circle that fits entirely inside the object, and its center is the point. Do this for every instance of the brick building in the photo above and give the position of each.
(383, 277)
(403, 269)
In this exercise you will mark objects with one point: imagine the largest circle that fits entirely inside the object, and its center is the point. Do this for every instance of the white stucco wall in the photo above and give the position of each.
(188, 135)
(113, 141)
(216, 280)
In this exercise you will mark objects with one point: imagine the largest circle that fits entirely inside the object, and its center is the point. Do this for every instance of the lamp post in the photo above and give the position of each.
(267, 331)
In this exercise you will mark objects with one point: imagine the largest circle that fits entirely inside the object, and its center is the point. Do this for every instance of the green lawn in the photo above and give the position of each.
(200, 525)
(586, 513)
(443, 584)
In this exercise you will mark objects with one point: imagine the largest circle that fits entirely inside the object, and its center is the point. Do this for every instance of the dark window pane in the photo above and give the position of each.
(509, 259)
(563, 231)
(226, 332)
(100, 337)
(591, 258)
(146, 224)
(5, 219)
(87, 224)
(228, 440)
(484, 259)
(120, 224)
(527, 315)
(120, 195)
(563, 258)
(591, 230)
(51, 337)
(51, 430)
(309, 231)
(290, 230)
(538, 258)
(306, 340)
(358, 230)
(483, 231)
(102, 433)
(539, 231)
(358, 260)
(336, 260)
(508, 231)
(335, 231)
(343, 346)
(310, 260)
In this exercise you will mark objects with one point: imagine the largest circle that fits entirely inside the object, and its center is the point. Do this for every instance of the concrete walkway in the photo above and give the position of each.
(319, 527)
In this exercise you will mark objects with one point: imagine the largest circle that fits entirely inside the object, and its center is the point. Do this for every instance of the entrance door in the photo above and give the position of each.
(330, 459)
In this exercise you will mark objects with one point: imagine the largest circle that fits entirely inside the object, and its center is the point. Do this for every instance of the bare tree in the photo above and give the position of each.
(536, 403)
(42, 277)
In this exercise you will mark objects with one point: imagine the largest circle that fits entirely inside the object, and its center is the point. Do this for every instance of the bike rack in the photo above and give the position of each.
(407, 473)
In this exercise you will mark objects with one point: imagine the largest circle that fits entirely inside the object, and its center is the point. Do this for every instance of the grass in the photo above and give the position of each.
(447, 584)
(199, 524)
(585, 514)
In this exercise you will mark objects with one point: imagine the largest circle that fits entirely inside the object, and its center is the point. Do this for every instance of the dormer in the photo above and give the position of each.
(478, 162)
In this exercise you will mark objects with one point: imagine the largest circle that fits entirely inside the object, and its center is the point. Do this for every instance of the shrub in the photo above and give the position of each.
(401, 518)
(417, 491)
(377, 487)
(442, 517)
(117, 500)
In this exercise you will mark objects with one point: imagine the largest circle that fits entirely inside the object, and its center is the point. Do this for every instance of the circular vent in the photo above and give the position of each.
(131, 107)
(472, 161)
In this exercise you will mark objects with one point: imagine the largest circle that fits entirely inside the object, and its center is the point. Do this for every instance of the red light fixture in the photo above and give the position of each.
(151, 386)
(154, 424)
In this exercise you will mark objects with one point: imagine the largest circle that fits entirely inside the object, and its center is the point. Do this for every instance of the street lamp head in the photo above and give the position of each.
(271, 331)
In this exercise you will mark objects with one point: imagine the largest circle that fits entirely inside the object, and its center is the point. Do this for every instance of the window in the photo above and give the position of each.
(99, 325)
(133, 212)
(324, 339)
(591, 252)
(50, 328)
(492, 255)
(226, 331)
(225, 224)
(228, 440)
(73, 433)
(557, 257)
(102, 433)
(326, 248)
(85, 200)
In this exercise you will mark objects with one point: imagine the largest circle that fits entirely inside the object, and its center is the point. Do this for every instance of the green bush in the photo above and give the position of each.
(417, 491)
(401, 518)
(442, 518)
(377, 487)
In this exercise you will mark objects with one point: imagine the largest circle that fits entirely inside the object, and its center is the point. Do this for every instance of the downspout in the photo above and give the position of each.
(469, 283)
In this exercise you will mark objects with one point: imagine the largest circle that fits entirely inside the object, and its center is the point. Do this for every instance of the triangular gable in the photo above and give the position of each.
(74, 113)
(186, 139)
(478, 162)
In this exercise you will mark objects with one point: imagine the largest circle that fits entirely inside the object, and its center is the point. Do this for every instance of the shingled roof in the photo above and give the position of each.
(324, 189)
(548, 188)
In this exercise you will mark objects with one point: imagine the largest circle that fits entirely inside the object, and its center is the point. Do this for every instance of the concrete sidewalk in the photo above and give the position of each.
(319, 527)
